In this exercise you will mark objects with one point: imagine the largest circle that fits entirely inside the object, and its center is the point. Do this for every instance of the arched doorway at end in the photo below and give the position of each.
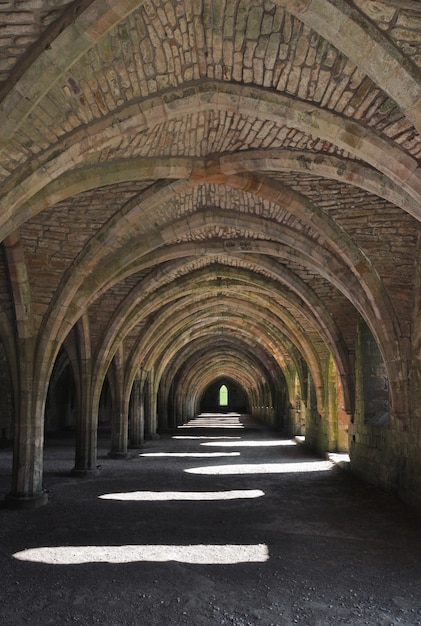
(224, 396)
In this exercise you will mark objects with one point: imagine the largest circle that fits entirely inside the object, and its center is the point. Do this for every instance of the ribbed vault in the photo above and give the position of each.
(201, 190)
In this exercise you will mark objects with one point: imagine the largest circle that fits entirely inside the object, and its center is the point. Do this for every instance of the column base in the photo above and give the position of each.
(152, 436)
(26, 503)
(85, 473)
(119, 455)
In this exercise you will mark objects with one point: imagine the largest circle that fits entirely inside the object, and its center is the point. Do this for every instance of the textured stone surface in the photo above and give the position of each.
(199, 188)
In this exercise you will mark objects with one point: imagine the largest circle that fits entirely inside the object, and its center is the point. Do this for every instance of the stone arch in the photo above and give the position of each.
(364, 269)
(224, 394)
(78, 29)
(274, 327)
(304, 300)
(352, 33)
(341, 244)
(237, 357)
(342, 25)
(255, 227)
(256, 102)
(334, 346)
(323, 165)
(248, 329)
(20, 287)
(174, 168)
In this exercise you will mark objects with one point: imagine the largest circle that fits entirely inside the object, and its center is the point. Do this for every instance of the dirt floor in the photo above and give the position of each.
(212, 524)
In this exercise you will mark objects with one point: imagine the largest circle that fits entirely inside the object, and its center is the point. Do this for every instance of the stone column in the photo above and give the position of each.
(119, 434)
(137, 417)
(332, 406)
(178, 404)
(151, 408)
(120, 424)
(162, 418)
(87, 414)
(27, 490)
(86, 436)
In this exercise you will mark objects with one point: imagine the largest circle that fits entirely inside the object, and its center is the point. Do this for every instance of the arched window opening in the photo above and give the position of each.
(223, 395)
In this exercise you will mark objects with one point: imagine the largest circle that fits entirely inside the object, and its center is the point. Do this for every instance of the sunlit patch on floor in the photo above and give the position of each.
(250, 444)
(163, 496)
(219, 415)
(215, 420)
(263, 468)
(182, 455)
(203, 437)
(195, 554)
(219, 425)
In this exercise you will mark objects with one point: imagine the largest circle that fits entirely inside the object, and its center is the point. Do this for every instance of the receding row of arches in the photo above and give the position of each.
(235, 319)
(288, 401)
(223, 395)
(238, 211)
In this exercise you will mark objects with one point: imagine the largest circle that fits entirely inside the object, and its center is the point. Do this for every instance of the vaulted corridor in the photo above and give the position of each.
(210, 207)
(220, 521)
(199, 195)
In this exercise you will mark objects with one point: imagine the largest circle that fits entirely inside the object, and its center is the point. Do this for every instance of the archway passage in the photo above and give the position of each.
(224, 395)
(211, 193)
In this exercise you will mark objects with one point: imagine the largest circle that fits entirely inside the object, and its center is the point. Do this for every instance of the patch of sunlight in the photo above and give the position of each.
(232, 419)
(195, 554)
(212, 424)
(250, 444)
(164, 496)
(217, 415)
(263, 468)
(336, 457)
(215, 420)
(182, 455)
(203, 437)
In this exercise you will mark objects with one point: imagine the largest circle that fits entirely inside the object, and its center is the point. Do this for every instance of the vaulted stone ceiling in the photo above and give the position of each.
(215, 187)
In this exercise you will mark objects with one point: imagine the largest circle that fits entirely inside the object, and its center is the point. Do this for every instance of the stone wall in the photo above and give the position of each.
(385, 453)
(6, 398)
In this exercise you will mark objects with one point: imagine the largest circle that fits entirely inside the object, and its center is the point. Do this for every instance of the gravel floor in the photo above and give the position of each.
(211, 524)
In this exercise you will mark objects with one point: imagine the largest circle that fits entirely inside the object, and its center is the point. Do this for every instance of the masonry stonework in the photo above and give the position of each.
(204, 190)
